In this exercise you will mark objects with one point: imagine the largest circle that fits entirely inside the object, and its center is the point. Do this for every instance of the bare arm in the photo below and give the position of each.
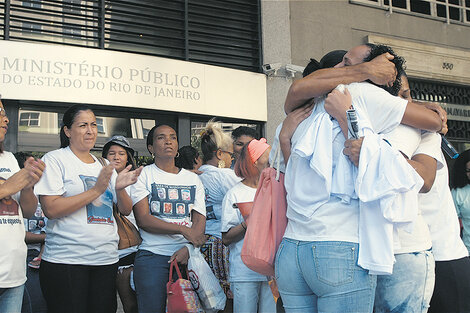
(124, 202)
(14, 184)
(234, 234)
(336, 104)
(28, 202)
(426, 167)
(418, 116)
(28, 199)
(380, 71)
(34, 238)
(289, 126)
(198, 228)
(124, 179)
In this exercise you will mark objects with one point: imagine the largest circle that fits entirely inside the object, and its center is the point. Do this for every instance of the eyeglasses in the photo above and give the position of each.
(2, 112)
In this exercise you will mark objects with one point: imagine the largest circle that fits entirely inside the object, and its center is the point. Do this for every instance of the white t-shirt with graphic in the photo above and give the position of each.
(36, 224)
(12, 246)
(216, 181)
(171, 198)
(231, 217)
(88, 236)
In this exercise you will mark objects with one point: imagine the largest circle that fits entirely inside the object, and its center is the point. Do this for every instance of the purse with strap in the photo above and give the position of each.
(181, 297)
(129, 235)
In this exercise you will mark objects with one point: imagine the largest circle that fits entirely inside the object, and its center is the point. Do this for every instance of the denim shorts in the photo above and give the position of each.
(323, 276)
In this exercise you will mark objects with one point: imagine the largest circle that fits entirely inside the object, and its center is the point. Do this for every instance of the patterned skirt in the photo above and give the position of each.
(216, 255)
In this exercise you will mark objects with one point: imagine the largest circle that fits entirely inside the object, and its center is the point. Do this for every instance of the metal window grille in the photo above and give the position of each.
(219, 32)
(449, 11)
(445, 94)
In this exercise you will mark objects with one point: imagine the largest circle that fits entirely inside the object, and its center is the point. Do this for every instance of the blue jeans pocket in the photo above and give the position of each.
(334, 263)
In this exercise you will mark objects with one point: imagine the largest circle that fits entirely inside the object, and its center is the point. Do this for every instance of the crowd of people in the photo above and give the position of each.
(372, 225)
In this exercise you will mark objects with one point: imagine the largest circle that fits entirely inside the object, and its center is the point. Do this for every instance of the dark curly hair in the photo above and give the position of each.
(375, 51)
(459, 177)
(187, 157)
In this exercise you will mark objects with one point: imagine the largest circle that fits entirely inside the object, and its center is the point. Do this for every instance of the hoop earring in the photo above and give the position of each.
(221, 164)
(177, 154)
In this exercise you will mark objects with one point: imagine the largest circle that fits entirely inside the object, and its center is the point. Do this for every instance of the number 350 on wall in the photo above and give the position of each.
(447, 66)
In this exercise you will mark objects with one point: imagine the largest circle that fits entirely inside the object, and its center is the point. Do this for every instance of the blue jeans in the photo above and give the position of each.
(252, 297)
(323, 276)
(151, 273)
(410, 287)
(11, 299)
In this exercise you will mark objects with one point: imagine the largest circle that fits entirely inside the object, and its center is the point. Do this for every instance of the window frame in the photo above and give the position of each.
(463, 10)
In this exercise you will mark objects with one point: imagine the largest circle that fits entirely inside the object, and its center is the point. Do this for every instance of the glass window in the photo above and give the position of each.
(29, 119)
(100, 125)
(450, 10)
(71, 8)
(38, 130)
(198, 126)
(223, 33)
(29, 26)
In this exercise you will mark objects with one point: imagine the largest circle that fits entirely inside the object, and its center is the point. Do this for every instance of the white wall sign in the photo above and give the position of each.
(46, 72)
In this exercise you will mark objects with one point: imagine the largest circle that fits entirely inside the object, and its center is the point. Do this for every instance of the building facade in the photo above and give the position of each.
(182, 62)
(137, 63)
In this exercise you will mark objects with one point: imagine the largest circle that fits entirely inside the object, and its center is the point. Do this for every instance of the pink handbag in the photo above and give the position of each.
(181, 297)
(268, 222)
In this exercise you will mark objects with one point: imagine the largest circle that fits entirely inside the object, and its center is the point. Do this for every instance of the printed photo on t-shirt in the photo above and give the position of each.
(185, 194)
(161, 193)
(37, 222)
(180, 209)
(167, 208)
(155, 207)
(210, 214)
(100, 210)
(177, 205)
(173, 194)
(9, 209)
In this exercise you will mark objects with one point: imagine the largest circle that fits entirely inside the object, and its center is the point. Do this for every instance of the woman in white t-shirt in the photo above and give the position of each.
(120, 154)
(79, 263)
(170, 211)
(217, 178)
(16, 198)
(251, 291)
